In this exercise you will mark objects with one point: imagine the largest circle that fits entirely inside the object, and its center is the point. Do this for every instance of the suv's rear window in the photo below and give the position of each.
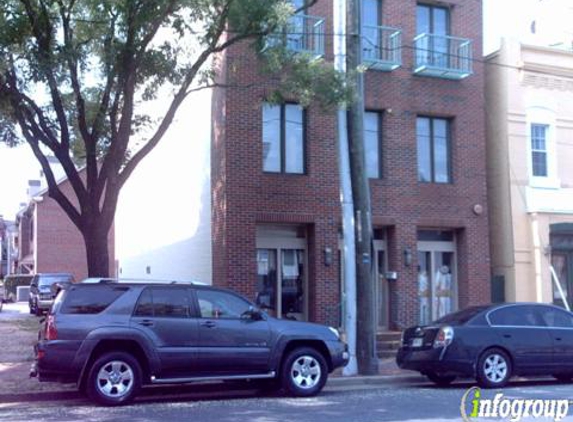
(46, 281)
(91, 301)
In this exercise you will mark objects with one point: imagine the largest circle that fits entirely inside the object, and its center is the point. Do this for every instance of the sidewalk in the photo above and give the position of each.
(16, 356)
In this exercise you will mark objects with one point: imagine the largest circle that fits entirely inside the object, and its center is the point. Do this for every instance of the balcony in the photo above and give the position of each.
(381, 47)
(303, 34)
(442, 56)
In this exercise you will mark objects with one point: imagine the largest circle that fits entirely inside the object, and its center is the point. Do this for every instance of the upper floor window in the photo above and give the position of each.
(433, 138)
(541, 147)
(372, 144)
(283, 138)
(539, 150)
(432, 20)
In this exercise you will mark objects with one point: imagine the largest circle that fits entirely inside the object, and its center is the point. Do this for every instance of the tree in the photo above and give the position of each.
(75, 75)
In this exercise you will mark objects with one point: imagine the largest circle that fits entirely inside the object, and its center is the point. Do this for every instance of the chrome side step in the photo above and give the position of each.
(155, 380)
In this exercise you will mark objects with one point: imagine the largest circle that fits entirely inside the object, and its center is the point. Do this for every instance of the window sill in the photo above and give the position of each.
(544, 183)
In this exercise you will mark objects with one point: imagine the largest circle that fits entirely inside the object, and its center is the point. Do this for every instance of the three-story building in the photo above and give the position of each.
(276, 217)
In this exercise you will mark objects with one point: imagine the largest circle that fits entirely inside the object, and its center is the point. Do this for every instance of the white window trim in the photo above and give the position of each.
(543, 116)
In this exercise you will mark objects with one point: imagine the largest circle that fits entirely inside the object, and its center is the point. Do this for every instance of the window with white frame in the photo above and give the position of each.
(283, 138)
(541, 147)
(539, 167)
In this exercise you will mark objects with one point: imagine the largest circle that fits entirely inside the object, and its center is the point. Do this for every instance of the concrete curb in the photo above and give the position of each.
(333, 382)
(359, 380)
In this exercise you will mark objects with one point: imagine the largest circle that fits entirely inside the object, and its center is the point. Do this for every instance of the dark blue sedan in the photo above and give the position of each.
(492, 344)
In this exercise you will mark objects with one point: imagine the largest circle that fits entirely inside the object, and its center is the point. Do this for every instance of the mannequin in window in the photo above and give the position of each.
(424, 296)
(443, 291)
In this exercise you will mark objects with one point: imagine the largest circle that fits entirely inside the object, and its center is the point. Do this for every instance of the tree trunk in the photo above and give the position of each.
(97, 251)
(365, 291)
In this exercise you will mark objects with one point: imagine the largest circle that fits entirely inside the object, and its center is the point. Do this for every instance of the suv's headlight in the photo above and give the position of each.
(335, 332)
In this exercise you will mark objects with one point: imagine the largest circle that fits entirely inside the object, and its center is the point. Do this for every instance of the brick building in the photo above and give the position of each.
(276, 217)
(48, 241)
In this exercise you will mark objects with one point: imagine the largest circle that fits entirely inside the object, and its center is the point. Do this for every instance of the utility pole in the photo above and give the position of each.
(347, 204)
(365, 289)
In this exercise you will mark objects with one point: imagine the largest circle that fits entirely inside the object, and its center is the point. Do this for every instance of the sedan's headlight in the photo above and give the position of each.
(335, 332)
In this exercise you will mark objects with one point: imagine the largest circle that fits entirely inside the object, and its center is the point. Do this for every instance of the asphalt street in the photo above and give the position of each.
(389, 401)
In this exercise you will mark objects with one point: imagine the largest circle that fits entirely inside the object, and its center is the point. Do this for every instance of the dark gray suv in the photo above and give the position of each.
(112, 338)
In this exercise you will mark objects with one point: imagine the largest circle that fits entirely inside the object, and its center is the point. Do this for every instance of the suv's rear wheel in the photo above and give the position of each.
(114, 378)
(304, 372)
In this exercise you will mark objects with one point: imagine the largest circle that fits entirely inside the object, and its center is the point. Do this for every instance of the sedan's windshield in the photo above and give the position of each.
(460, 317)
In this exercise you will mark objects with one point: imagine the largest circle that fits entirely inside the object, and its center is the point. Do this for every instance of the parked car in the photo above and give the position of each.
(113, 338)
(492, 344)
(43, 290)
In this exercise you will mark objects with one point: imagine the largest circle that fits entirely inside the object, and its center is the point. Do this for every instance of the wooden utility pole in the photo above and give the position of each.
(365, 289)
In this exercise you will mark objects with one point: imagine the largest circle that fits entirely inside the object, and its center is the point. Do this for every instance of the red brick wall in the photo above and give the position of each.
(60, 245)
(400, 203)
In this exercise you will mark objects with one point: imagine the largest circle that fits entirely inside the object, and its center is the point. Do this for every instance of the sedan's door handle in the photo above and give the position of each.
(507, 336)
(146, 323)
(209, 324)
(558, 338)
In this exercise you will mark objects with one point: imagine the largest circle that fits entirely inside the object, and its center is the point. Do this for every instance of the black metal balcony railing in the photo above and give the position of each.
(381, 47)
(303, 34)
(443, 56)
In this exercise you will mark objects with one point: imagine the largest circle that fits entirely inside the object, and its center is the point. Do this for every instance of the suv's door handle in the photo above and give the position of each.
(146, 323)
(209, 324)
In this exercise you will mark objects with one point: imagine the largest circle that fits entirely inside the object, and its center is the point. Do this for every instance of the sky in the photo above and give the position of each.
(501, 17)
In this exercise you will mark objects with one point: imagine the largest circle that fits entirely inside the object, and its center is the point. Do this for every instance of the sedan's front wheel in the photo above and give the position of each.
(304, 372)
(114, 378)
(493, 368)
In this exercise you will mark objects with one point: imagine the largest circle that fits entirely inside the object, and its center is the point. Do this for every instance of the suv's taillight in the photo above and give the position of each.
(51, 331)
(444, 337)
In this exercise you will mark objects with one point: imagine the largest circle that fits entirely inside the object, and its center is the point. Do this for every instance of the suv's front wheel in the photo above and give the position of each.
(114, 378)
(304, 372)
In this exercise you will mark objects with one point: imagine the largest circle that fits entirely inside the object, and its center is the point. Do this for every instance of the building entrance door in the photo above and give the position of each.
(562, 262)
(437, 284)
(382, 302)
(282, 273)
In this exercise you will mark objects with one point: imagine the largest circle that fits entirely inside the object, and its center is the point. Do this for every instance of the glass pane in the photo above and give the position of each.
(382, 302)
(539, 164)
(266, 279)
(440, 21)
(371, 144)
(441, 152)
(519, 316)
(424, 293)
(292, 301)
(221, 305)
(422, 20)
(559, 263)
(145, 304)
(170, 303)
(294, 142)
(443, 284)
(271, 138)
(370, 12)
(424, 150)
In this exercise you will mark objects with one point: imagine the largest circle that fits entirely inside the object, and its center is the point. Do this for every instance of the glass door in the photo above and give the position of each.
(436, 281)
(561, 262)
(382, 302)
(281, 276)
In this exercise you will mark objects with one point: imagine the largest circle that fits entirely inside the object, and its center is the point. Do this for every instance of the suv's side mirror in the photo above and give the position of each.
(253, 313)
